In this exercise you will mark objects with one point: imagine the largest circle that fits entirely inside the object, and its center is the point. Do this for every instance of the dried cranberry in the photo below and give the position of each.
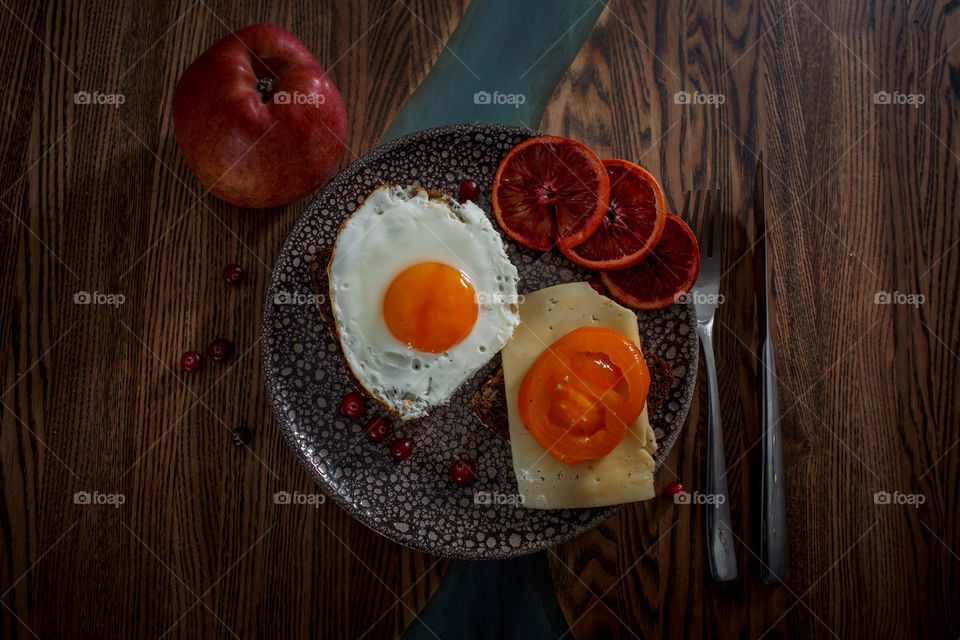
(353, 405)
(469, 190)
(378, 428)
(401, 448)
(463, 472)
(191, 361)
(234, 274)
(220, 349)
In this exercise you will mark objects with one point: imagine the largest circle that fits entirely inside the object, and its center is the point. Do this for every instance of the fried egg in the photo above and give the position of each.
(423, 295)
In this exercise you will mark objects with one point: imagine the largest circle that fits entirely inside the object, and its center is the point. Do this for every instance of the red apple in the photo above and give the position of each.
(257, 118)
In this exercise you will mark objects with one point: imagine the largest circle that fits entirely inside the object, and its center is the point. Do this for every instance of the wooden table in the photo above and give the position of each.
(861, 198)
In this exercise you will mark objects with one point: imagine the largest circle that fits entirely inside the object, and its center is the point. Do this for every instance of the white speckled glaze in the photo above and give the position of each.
(414, 502)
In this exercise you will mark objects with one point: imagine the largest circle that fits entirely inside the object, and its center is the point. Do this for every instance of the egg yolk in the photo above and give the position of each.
(430, 307)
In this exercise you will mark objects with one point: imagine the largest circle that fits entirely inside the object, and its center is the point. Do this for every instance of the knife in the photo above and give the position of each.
(773, 519)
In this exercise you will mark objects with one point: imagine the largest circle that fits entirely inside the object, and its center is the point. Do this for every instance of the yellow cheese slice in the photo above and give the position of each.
(623, 475)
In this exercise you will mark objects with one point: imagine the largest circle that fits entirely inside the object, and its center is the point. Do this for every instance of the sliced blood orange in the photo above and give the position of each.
(633, 223)
(550, 189)
(664, 275)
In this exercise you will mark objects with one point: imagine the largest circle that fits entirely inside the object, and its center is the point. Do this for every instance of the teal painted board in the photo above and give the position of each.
(487, 599)
(501, 64)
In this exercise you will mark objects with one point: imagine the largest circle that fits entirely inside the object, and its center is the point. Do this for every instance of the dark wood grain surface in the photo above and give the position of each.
(861, 199)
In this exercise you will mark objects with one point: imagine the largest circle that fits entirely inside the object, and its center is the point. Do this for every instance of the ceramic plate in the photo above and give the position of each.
(414, 502)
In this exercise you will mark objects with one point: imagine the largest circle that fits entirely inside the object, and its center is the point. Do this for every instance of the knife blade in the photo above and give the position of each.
(773, 520)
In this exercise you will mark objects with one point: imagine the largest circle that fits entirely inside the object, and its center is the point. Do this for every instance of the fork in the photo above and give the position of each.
(704, 215)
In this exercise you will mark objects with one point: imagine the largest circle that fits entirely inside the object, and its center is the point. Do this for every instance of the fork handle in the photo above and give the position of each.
(719, 533)
(773, 517)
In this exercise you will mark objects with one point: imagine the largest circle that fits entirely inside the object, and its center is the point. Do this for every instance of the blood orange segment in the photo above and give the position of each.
(632, 225)
(550, 189)
(667, 273)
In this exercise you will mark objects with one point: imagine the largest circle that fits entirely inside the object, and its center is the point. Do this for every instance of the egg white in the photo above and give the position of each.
(396, 228)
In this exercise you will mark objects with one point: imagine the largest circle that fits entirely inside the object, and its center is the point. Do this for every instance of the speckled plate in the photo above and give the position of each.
(414, 502)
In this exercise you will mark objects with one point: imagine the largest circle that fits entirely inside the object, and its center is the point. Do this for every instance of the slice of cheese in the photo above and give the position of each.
(623, 475)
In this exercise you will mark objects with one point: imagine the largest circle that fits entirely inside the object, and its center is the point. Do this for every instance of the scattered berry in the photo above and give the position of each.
(220, 349)
(353, 405)
(401, 448)
(378, 428)
(240, 436)
(675, 489)
(234, 274)
(191, 361)
(469, 190)
(463, 472)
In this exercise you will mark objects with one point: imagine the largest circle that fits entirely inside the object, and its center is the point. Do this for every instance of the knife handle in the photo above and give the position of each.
(773, 517)
(720, 554)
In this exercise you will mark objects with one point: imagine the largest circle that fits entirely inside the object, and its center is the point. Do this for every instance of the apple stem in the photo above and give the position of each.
(265, 88)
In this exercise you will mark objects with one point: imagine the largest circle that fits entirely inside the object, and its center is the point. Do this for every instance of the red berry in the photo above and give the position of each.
(240, 436)
(191, 361)
(401, 448)
(469, 190)
(463, 472)
(220, 349)
(597, 285)
(233, 274)
(675, 488)
(353, 405)
(378, 428)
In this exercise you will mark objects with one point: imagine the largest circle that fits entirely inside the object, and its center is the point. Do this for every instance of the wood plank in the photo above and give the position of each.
(861, 198)
(801, 87)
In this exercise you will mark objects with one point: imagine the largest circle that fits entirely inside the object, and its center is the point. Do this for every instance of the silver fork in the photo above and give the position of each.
(703, 212)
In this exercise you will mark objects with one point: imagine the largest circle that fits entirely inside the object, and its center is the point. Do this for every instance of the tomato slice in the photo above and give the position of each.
(583, 392)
